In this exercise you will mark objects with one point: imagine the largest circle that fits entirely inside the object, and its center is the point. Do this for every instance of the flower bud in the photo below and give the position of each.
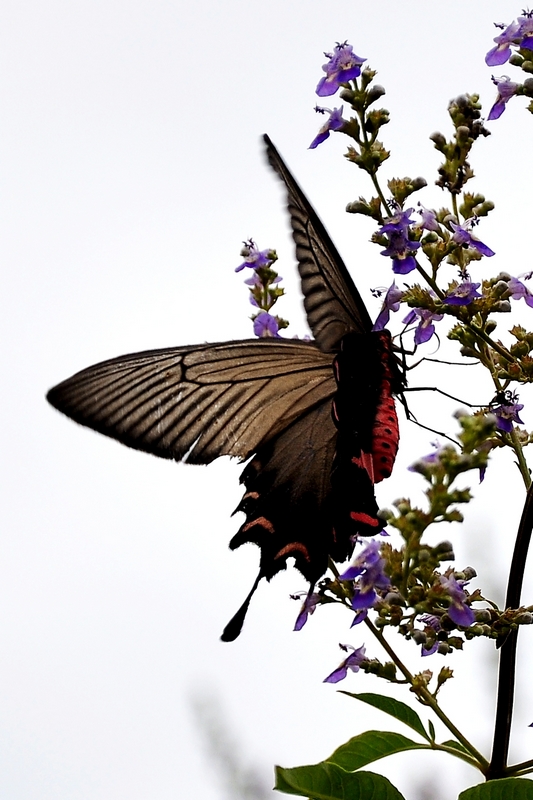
(528, 87)
(419, 637)
(482, 615)
(469, 573)
(525, 618)
(502, 306)
(394, 598)
(443, 649)
(375, 93)
(438, 140)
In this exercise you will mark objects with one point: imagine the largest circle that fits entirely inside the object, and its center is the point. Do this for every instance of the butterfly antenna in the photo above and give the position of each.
(234, 626)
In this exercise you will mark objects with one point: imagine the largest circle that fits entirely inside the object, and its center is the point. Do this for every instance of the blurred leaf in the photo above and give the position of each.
(328, 782)
(503, 789)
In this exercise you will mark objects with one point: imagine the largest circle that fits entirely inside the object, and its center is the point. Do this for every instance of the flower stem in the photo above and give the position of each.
(427, 698)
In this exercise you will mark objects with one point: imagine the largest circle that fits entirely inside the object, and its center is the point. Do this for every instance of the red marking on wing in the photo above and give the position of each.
(366, 462)
(262, 521)
(250, 496)
(290, 548)
(366, 519)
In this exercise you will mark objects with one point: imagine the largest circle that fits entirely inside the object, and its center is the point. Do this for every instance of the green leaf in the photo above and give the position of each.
(456, 746)
(328, 782)
(395, 708)
(369, 746)
(503, 789)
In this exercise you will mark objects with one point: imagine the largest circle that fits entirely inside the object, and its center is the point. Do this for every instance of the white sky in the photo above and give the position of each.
(132, 170)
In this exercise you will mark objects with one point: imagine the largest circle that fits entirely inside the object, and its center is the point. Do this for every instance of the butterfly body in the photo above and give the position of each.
(316, 419)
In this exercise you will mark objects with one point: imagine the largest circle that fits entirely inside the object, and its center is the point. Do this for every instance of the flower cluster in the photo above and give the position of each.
(264, 289)
(517, 36)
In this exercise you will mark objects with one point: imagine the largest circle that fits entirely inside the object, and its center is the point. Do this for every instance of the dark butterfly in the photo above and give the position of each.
(317, 418)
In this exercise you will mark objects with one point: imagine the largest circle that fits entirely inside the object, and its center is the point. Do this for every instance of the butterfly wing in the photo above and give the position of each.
(332, 303)
(266, 398)
(199, 402)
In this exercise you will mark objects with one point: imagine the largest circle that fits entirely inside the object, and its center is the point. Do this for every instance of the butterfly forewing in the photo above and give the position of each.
(333, 305)
(199, 402)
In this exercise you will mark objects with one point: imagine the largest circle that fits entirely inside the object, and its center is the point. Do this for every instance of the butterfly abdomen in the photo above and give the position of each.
(364, 413)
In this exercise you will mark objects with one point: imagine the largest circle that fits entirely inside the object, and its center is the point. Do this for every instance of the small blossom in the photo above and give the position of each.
(506, 411)
(462, 235)
(519, 290)
(429, 219)
(399, 222)
(526, 30)
(458, 611)
(430, 621)
(463, 294)
(353, 662)
(368, 569)
(391, 302)
(309, 605)
(265, 325)
(506, 89)
(343, 66)
(426, 328)
(400, 247)
(254, 258)
(334, 123)
(502, 52)
(421, 464)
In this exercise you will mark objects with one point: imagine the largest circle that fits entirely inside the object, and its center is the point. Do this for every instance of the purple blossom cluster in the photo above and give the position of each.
(518, 34)
(367, 572)
(343, 66)
(400, 247)
(262, 292)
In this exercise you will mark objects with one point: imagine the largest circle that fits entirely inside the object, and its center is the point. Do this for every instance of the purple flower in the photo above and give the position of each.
(429, 219)
(390, 303)
(502, 52)
(310, 603)
(519, 290)
(463, 294)
(254, 258)
(400, 247)
(334, 123)
(430, 621)
(458, 611)
(425, 329)
(353, 662)
(506, 411)
(343, 66)
(506, 89)
(399, 222)
(421, 464)
(462, 235)
(368, 568)
(265, 325)
(359, 617)
(526, 30)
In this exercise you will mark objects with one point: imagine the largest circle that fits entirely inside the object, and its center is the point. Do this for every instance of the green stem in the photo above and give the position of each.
(427, 699)
(519, 452)
(520, 769)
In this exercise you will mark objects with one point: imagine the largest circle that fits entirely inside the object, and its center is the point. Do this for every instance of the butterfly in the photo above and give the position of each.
(315, 420)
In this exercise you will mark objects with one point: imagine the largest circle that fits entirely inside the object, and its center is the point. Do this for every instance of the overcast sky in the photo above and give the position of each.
(132, 170)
